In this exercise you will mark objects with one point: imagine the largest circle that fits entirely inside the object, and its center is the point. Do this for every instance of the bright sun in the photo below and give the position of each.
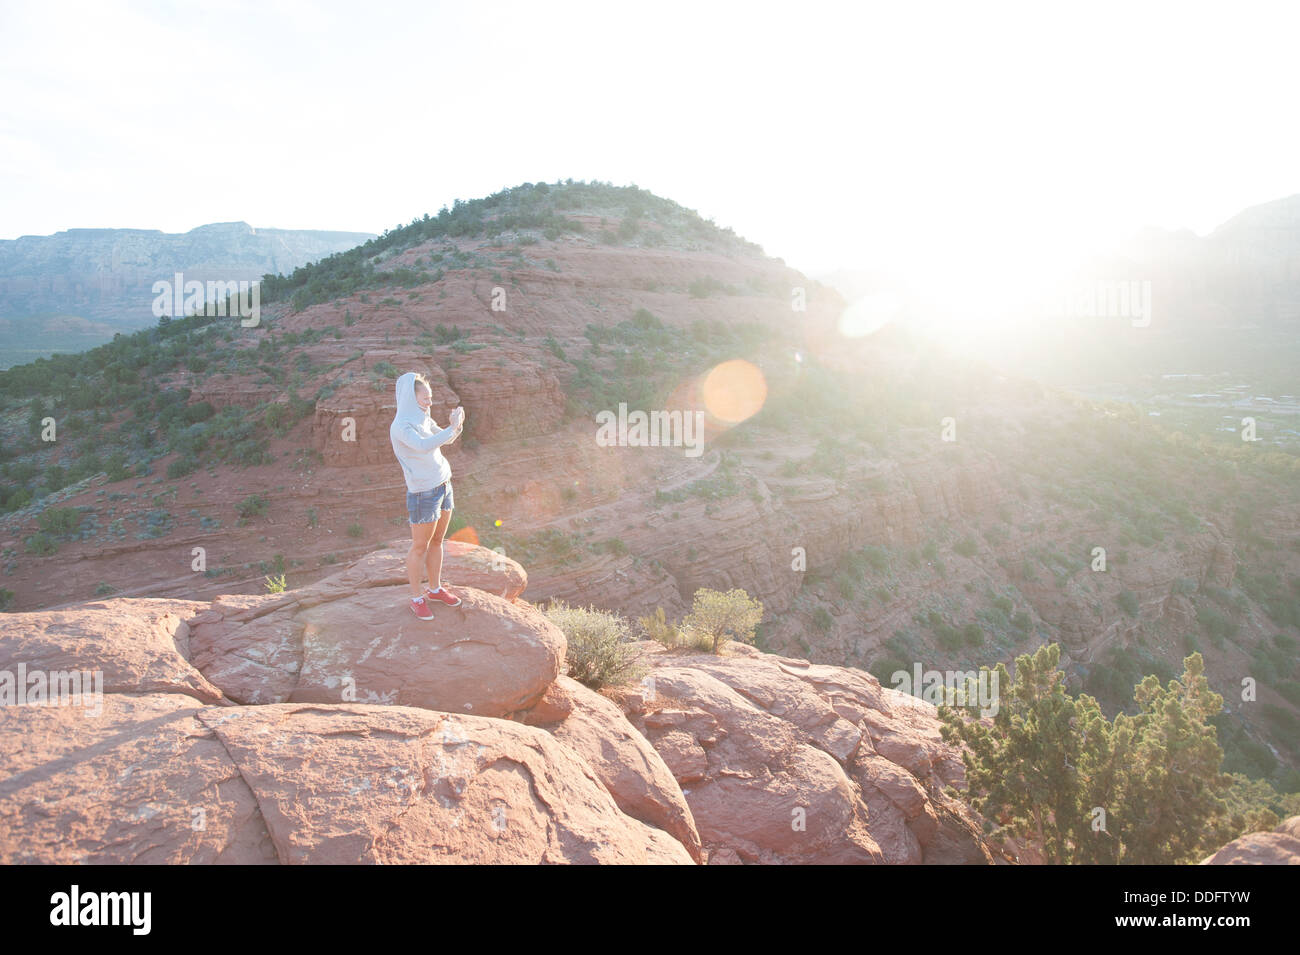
(973, 295)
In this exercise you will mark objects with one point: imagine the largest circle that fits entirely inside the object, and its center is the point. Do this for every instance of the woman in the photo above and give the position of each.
(417, 442)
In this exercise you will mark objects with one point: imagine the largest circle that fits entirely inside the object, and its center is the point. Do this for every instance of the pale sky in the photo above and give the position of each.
(833, 134)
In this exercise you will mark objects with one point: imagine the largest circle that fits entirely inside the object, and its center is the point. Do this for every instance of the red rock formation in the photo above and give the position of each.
(786, 761)
(350, 426)
(463, 564)
(635, 775)
(146, 783)
(157, 776)
(506, 394)
(349, 784)
(140, 646)
(1279, 847)
(224, 737)
(352, 637)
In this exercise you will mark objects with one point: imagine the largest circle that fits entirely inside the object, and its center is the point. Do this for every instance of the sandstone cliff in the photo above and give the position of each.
(327, 725)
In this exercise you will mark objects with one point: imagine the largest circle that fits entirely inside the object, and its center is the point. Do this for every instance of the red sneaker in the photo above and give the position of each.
(420, 607)
(442, 596)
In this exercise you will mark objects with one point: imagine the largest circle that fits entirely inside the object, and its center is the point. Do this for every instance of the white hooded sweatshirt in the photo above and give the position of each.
(416, 443)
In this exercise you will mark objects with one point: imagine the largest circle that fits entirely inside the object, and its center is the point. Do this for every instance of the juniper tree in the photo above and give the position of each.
(1050, 767)
(720, 617)
(1018, 768)
(1173, 810)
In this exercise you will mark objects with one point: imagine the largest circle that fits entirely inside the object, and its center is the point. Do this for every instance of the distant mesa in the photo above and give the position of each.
(106, 276)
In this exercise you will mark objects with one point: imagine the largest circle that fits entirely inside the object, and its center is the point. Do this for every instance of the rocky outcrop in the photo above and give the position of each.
(347, 784)
(463, 564)
(785, 761)
(145, 782)
(352, 638)
(163, 779)
(732, 542)
(327, 725)
(1086, 625)
(350, 426)
(488, 656)
(506, 394)
(633, 772)
(136, 646)
(1279, 847)
(161, 765)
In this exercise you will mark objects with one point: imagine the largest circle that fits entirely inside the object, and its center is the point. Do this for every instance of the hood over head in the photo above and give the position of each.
(408, 409)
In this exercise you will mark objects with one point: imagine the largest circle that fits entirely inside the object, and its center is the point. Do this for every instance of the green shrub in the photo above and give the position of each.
(877, 558)
(600, 652)
(1218, 626)
(656, 627)
(59, 521)
(1128, 602)
(252, 506)
(948, 636)
(966, 547)
(822, 619)
(445, 336)
(157, 523)
(1220, 595)
(884, 667)
(646, 319)
(721, 617)
(704, 287)
(41, 544)
(1283, 718)
(181, 466)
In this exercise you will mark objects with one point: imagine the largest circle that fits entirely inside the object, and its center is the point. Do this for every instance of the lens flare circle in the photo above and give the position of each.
(734, 390)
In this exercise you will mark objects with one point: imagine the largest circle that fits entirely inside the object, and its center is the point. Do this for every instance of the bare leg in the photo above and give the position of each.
(433, 556)
(415, 557)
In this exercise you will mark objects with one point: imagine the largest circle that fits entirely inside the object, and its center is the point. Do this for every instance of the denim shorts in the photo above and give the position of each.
(423, 507)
